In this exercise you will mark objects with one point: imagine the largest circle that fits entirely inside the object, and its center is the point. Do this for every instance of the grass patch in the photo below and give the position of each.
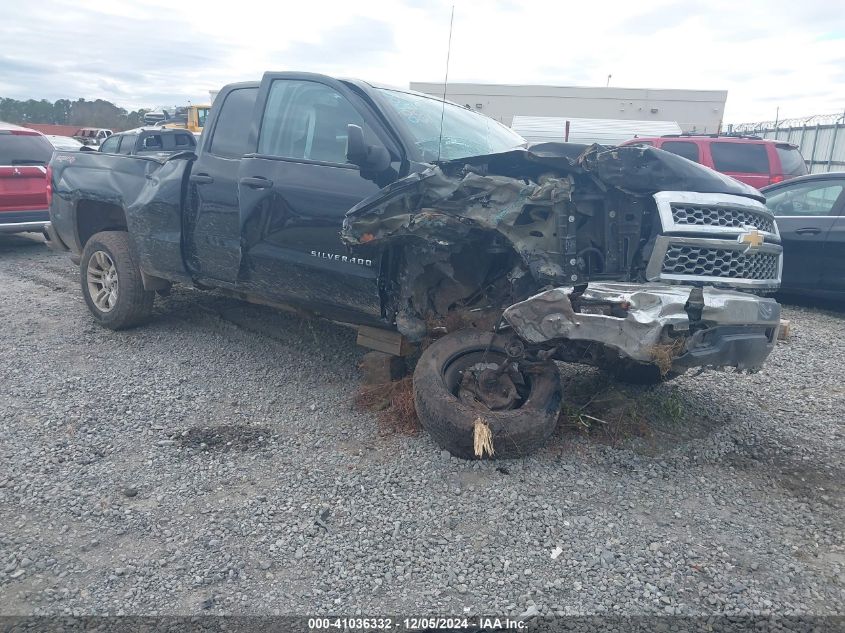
(393, 404)
(611, 412)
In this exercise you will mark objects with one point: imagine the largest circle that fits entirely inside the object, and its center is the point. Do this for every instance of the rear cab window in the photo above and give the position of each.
(791, 161)
(229, 139)
(24, 149)
(743, 158)
(686, 149)
(153, 143)
(184, 140)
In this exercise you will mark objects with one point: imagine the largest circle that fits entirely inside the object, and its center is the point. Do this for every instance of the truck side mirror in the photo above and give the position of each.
(371, 159)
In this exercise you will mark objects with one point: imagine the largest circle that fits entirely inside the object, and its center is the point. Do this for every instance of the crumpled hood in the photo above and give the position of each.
(634, 169)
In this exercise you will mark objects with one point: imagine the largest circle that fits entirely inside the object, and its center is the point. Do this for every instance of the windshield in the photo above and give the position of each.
(465, 133)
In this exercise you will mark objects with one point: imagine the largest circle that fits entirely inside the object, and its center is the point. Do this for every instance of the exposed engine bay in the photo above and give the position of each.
(464, 240)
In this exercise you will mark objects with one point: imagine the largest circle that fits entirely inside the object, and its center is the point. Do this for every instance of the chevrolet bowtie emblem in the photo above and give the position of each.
(754, 239)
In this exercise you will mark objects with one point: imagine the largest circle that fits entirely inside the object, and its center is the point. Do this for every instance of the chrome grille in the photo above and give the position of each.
(701, 261)
(710, 238)
(702, 215)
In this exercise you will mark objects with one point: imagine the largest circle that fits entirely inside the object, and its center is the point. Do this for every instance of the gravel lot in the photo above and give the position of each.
(213, 462)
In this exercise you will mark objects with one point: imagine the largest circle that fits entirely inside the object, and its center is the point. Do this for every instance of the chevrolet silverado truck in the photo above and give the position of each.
(429, 226)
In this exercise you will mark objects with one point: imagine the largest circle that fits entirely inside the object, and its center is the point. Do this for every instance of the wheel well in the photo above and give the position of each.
(93, 216)
(455, 288)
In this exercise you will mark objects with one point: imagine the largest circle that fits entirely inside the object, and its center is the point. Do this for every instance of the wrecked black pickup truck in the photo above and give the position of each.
(432, 227)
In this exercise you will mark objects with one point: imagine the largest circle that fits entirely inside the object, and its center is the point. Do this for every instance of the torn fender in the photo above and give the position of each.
(633, 318)
(444, 210)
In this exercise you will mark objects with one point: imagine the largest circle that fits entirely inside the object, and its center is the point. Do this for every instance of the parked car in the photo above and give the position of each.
(414, 219)
(810, 213)
(66, 143)
(24, 155)
(149, 141)
(755, 161)
(92, 135)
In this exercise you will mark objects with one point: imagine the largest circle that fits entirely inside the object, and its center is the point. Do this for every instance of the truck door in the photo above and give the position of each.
(212, 225)
(295, 191)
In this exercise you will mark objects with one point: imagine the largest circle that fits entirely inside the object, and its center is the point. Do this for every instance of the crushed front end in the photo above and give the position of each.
(673, 327)
(595, 255)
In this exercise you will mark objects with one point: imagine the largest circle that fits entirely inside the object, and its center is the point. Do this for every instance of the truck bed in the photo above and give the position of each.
(149, 190)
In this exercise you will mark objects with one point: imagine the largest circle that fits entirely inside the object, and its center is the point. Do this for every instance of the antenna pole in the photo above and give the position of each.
(445, 81)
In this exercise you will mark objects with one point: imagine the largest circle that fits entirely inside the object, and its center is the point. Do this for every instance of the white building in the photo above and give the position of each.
(693, 110)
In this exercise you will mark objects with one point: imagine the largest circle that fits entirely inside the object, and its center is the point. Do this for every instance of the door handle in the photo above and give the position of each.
(256, 182)
(201, 179)
(808, 230)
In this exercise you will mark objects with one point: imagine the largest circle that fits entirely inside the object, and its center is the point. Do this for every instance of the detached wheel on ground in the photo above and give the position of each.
(111, 281)
(467, 379)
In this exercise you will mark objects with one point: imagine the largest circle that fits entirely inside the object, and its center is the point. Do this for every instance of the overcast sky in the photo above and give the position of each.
(143, 53)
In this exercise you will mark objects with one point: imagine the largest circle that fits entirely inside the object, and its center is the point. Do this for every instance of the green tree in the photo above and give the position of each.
(82, 113)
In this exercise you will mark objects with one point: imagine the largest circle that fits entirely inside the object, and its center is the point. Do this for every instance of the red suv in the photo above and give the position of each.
(24, 155)
(750, 159)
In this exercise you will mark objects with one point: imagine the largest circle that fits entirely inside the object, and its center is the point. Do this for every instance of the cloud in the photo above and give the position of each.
(658, 18)
(360, 40)
(142, 53)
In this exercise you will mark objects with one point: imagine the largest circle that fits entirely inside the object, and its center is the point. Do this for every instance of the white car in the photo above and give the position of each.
(65, 143)
(92, 135)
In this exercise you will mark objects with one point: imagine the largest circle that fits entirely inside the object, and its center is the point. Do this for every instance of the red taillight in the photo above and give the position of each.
(49, 175)
(775, 179)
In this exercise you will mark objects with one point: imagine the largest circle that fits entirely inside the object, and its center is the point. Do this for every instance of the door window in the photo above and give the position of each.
(306, 120)
(109, 146)
(745, 158)
(232, 127)
(806, 199)
(127, 143)
(682, 148)
(202, 115)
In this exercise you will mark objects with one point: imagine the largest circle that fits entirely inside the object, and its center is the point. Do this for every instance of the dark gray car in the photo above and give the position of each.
(810, 213)
(149, 141)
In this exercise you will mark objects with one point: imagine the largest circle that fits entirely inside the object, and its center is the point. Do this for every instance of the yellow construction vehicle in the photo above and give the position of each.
(189, 118)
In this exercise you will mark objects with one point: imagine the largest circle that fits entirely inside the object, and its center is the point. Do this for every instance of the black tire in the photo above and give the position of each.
(132, 304)
(450, 421)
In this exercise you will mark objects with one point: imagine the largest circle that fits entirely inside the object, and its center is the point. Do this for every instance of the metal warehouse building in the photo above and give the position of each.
(693, 110)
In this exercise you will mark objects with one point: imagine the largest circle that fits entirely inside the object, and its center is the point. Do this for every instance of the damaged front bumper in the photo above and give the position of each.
(675, 327)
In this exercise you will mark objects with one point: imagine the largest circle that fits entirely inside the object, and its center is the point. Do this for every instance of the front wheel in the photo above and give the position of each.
(466, 378)
(111, 281)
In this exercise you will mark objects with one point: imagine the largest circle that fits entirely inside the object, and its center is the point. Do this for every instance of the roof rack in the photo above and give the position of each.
(720, 135)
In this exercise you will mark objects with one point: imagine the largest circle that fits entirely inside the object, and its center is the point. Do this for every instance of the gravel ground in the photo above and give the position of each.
(213, 462)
